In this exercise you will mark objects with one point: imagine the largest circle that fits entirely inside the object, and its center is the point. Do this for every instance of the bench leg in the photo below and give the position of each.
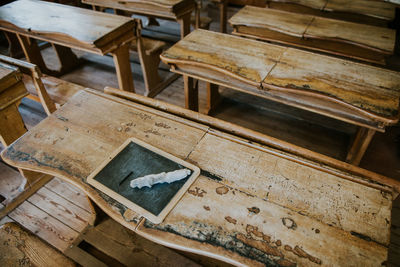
(223, 6)
(68, 60)
(191, 93)
(184, 21)
(360, 145)
(33, 54)
(12, 127)
(213, 97)
(123, 67)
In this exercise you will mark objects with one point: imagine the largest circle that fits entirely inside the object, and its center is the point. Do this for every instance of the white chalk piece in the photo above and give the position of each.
(164, 177)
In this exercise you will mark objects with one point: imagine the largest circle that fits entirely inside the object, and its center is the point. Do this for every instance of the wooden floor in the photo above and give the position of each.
(59, 213)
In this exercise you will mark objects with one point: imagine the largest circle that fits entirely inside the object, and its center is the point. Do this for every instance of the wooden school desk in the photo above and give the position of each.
(255, 202)
(69, 27)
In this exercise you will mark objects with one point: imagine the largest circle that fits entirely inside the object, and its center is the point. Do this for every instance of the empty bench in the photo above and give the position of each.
(353, 40)
(355, 93)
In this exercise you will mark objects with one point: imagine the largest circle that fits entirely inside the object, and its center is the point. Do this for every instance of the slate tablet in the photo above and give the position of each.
(134, 159)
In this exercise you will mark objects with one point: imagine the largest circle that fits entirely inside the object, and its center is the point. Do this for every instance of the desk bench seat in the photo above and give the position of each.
(352, 40)
(359, 94)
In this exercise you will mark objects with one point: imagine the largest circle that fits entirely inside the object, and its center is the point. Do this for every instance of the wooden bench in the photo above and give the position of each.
(12, 90)
(376, 13)
(19, 247)
(258, 200)
(352, 40)
(358, 94)
(178, 10)
(70, 27)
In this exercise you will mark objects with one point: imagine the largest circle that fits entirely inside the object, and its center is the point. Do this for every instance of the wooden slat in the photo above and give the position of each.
(19, 247)
(69, 192)
(61, 209)
(44, 226)
(10, 181)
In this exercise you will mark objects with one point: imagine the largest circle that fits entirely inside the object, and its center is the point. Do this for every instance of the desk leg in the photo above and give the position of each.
(68, 60)
(123, 67)
(213, 97)
(360, 145)
(191, 93)
(33, 54)
(184, 21)
(223, 6)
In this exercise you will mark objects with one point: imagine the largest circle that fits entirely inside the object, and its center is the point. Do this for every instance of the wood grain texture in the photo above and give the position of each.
(254, 231)
(247, 60)
(65, 24)
(276, 20)
(369, 88)
(316, 4)
(171, 9)
(226, 214)
(18, 247)
(307, 26)
(378, 9)
(352, 92)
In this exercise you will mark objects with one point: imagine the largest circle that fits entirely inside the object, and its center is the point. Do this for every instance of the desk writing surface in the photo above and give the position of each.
(9, 75)
(377, 9)
(369, 88)
(276, 20)
(61, 22)
(251, 205)
(246, 59)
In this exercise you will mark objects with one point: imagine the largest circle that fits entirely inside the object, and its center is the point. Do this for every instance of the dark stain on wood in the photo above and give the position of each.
(254, 210)
(207, 208)
(222, 190)
(289, 223)
(197, 192)
(230, 219)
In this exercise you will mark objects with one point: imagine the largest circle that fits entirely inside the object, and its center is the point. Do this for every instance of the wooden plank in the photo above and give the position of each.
(377, 9)
(261, 231)
(362, 86)
(129, 248)
(10, 182)
(44, 225)
(373, 37)
(69, 192)
(61, 209)
(19, 247)
(62, 23)
(276, 20)
(249, 61)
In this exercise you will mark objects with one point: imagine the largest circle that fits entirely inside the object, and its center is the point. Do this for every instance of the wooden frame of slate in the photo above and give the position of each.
(133, 159)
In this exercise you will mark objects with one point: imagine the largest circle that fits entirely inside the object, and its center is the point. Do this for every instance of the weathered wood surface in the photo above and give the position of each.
(241, 210)
(18, 247)
(66, 25)
(360, 94)
(368, 8)
(378, 9)
(171, 9)
(354, 40)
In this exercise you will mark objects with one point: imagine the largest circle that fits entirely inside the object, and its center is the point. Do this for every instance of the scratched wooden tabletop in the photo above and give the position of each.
(308, 26)
(251, 205)
(62, 22)
(367, 88)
